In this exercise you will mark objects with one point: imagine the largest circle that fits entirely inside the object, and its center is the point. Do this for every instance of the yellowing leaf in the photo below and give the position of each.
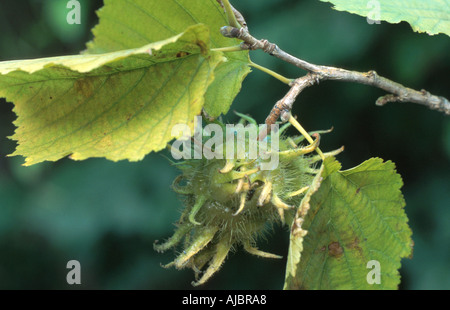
(430, 16)
(84, 63)
(117, 105)
(128, 24)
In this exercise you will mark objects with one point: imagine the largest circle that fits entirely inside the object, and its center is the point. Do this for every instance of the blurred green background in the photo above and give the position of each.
(107, 215)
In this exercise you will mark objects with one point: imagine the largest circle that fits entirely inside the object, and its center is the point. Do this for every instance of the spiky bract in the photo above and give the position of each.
(230, 202)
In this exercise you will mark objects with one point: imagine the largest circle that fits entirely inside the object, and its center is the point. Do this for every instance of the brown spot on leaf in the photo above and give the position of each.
(354, 245)
(203, 47)
(85, 86)
(182, 54)
(357, 191)
(335, 249)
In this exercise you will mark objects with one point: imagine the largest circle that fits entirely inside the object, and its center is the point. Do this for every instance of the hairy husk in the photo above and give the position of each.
(230, 202)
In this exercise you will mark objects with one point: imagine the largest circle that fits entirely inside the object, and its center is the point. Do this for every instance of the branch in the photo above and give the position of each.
(283, 106)
(397, 92)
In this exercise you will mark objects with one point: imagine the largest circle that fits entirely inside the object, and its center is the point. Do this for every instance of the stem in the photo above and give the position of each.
(235, 48)
(232, 21)
(283, 79)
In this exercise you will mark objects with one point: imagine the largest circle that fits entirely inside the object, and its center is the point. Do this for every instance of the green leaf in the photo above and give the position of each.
(356, 217)
(118, 105)
(431, 16)
(128, 24)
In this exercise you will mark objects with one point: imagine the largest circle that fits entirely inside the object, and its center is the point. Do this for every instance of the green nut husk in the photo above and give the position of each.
(230, 202)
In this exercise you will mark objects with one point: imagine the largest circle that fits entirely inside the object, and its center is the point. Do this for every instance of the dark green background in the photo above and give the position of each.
(107, 215)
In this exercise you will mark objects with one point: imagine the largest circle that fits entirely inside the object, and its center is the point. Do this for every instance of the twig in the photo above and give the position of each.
(397, 92)
(284, 106)
(237, 15)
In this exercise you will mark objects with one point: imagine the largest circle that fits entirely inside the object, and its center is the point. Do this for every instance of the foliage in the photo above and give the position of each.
(430, 16)
(356, 216)
(239, 64)
(108, 105)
